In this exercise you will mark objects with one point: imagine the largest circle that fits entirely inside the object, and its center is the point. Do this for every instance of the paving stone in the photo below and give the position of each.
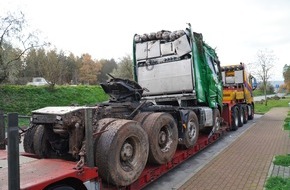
(250, 156)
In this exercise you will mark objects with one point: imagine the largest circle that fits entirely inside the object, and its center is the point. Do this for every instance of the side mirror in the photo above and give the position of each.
(254, 83)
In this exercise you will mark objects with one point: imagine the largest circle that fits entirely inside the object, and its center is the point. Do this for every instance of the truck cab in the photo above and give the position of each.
(177, 68)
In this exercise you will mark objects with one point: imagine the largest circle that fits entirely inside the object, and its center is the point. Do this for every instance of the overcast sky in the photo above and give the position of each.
(238, 29)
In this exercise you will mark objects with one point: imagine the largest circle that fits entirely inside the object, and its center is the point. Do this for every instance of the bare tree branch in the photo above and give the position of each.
(13, 35)
(263, 65)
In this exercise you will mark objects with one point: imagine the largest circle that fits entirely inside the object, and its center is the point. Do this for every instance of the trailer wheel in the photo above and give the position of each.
(122, 152)
(28, 140)
(251, 115)
(235, 119)
(163, 137)
(241, 116)
(245, 113)
(191, 131)
(41, 144)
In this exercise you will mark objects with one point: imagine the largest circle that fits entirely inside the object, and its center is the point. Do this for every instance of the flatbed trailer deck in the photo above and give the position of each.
(40, 173)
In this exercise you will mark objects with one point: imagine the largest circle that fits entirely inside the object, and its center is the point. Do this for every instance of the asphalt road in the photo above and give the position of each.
(179, 175)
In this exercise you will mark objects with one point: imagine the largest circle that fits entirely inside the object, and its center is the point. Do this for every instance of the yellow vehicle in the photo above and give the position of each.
(238, 86)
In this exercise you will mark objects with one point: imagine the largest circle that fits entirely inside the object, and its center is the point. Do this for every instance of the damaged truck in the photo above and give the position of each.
(169, 112)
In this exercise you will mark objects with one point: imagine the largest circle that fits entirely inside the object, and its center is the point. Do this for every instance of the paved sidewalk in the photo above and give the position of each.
(246, 162)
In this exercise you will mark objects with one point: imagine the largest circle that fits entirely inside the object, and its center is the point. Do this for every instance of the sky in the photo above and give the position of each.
(238, 29)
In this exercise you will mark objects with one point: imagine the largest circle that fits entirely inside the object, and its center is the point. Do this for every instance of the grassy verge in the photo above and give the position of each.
(22, 122)
(286, 125)
(24, 99)
(282, 160)
(279, 183)
(258, 92)
(261, 108)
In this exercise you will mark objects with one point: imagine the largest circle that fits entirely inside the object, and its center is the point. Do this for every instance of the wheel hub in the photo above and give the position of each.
(127, 151)
(191, 130)
(162, 137)
(217, 124)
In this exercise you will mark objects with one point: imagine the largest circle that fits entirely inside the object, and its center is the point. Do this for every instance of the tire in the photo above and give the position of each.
(241, 116)
(217, 120)
(235, 119)
(101, 125)
(163, 137)
(66, 184)
(251, 114)
(191, 131)
(122, 152)
(28, 140)
(61, 187)
(246, 115)
(41, 144)
(140, 117)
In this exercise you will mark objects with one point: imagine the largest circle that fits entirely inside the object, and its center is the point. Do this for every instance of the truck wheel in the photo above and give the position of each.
(28, 140)
(101, 125)
(245, 112)
(251, 115)
(163, 137)
(241, 116)
(41, 145)
(191, 131)
(235, 119)
(61, 187)
(217, 120)
(122, 152)
(140, 117)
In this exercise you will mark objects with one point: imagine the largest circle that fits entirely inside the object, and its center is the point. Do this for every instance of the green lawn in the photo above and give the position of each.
(24, 99)
(282, 160)
(262, 108)
(277, 183)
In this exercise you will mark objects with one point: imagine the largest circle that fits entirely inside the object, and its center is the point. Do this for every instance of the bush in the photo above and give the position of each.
(24, 99)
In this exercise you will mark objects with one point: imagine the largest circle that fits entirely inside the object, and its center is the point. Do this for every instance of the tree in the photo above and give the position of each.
(270, 88)
(263, 65)
(286, 75)
(12, 31)
(32, 65)
(124, 69)
(52, 67)
(72, 67)
(107, 66)
(88, 70)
